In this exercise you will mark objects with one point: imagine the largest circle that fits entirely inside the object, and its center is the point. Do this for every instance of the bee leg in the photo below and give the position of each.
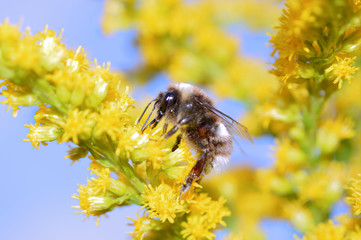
(171, 132)
(195, 174)
(176, 145)
(184, 121)
(165, 127)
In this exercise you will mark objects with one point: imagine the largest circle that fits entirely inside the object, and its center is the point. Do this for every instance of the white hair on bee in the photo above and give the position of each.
(185, 86)
(222, 131)
(220, 163)
(186, 89)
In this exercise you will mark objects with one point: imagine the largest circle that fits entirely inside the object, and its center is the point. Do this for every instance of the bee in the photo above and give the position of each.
(204, 128)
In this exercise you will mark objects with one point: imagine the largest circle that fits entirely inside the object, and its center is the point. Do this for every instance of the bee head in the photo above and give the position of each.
(165, 102)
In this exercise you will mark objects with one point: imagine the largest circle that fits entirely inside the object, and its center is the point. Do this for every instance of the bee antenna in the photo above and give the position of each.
(145, 111)
(148, 118)
(155, 121)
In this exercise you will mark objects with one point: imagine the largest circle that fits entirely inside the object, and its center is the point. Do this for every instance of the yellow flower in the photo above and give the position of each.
(154, 16)
(111, 121)
(289, 157)
(53, 51)
(8, 31)
(78, 125)
(26, 54)
(105, 182)
(77, 85)
(286, 70)
(179, 163)
(299, 215)
(356, 235)
(257, 14)
(289, 38)
(272, 181)
(41, 134)
(96, 200)
(186, 65)
(342, 70)
(332, 131)
(129, 141)
(143, 225)
(17, 98)
(214, 211)
(354, 198)
(217, 211)
(326, 231)
(196, 227)
(48, 116)
(162, 202)
(77, 61)
(85, 202)
(158, 156)
(325, 185)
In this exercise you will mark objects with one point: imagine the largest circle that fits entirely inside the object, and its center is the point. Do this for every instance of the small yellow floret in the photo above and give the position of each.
(162, 202)
(142, 225)
(326, 231)
(342, 70)
(355, 195)
(196, 227)
(79, 124)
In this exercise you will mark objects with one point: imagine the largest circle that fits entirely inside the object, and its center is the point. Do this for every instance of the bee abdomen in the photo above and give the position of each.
(220, 153)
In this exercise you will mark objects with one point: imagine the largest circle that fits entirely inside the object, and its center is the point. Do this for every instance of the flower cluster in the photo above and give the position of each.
(314, 117)
(87, 104)
(328, 231)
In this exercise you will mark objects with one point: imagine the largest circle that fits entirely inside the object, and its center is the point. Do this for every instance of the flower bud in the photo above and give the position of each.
(99, 92)
(117, 187)
(101, 204)
(77, 96)
(63, 94)
(43, 134)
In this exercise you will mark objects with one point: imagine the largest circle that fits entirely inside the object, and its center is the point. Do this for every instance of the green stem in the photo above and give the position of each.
(109, 159)
(132, 177)
(310, 120)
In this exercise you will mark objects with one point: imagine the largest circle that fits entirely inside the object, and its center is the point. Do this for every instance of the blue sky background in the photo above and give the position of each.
(36, 185)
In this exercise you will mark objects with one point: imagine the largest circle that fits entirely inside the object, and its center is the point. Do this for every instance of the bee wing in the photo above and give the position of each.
(230, 123)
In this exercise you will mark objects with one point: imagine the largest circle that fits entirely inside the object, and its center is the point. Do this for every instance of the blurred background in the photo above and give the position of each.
(37, 185)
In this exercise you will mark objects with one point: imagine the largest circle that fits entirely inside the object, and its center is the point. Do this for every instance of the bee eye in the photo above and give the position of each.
(167, 102)
(169, 99)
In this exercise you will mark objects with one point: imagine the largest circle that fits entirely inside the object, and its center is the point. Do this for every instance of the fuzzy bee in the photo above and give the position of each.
(206, 129)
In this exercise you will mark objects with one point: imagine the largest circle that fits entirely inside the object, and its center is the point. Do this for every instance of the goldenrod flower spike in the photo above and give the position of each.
(314, 118)
(88, 105)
